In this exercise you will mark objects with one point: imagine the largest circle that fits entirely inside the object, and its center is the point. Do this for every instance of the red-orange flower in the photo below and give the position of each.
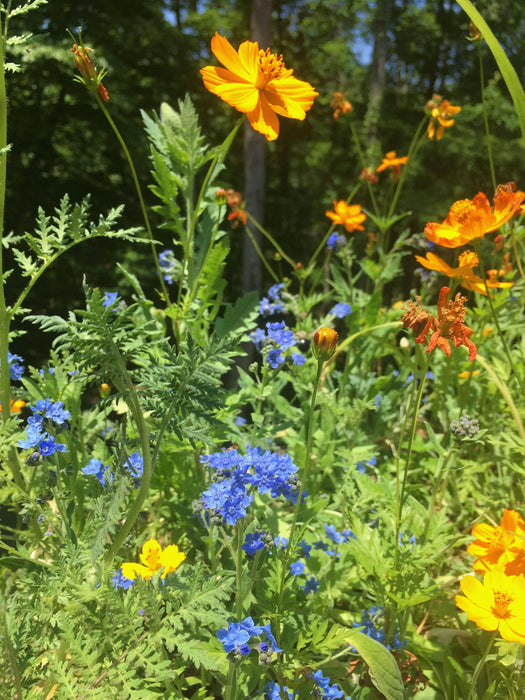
(390, 161)
(256, 82)
(448, 325)
(234, 201)
(325, 343)
(469, 219)
(91, 78)
(350, 215)
(467, 260)
(340, 104)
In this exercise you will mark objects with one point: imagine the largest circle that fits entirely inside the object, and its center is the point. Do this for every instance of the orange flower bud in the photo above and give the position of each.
(220, 196)
(104, 390)
(325, 342)
(91, 78)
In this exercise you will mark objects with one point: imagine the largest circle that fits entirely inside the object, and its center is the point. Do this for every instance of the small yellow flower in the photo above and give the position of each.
(350, 215)
(496, 604)
(442, 112)
(15, 405)
(467, 374)
(153, 559)
(391, 161)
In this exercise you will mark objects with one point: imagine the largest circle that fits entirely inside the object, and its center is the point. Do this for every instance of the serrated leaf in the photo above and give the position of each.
(239, 318)
(384, 670)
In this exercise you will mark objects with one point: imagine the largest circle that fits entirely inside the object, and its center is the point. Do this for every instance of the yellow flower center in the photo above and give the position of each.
(152, 559)
(461, 211)
(502, 600)
(270, 67)
(468, 259)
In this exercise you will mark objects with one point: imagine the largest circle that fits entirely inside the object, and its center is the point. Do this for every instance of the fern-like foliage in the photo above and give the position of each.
(16, 44)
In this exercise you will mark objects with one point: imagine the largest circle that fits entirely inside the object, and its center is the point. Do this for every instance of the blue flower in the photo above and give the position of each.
(49, 447)
(33, 437)
(335, 241)
(312, 585)
(341, 310)
(373, 622)
(332, 533)
(96, 467)
(274, 358)
(266, 308)
(298, 359)
(16, 369)
(297, 568)
(135, 465)
(237, 635)
(258, 336)
(239, 420)
(361, 466)
(281, 542)
(168, 265)
(306, 549)
(273, 691)
(253, 542)
(110, 298)
(274, 291)
(55, 412)
(281, 335)
(120, 581)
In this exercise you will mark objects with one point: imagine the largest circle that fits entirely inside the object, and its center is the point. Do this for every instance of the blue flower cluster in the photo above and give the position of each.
(134, 465)
(254, 542)
(335, 537)
(340, 310)
(168, 265)
(272, 304)
(361, 466)
(235, 638)
(278, 339)
(336, 241)
(120, 581)
(110, 298)
(229, 496)
(16, 368)
(323, 689)
(373, 621)
(46, 415)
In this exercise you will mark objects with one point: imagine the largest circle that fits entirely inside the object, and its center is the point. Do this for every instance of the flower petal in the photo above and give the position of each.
(264, 120)
(229, 58)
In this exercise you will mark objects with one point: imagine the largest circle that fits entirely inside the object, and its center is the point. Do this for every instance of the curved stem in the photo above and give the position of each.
(485, 116)
(473, 693)
(139, 194)
(272, 240)
(363, 166)
(261, 254)
(415, 145)
(515, 248)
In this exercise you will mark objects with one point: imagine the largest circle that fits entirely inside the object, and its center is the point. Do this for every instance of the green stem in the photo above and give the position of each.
(363, 166)
(476, 245)
(515, 248)
(505, 392)
(415, 145)
(139, 195)
(272, 240)
(307, 461)
(5, 319)
(479, 667)
(400, 492)
(138, 417)
(261, 254)
(12, 661)
(485, 116)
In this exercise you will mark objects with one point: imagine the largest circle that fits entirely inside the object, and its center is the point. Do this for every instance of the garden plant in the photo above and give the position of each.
(311, 492)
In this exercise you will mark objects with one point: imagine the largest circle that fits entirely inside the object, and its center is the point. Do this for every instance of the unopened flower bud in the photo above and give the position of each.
(220, 196)
(325, 342)
(104, 390)
(473, 32)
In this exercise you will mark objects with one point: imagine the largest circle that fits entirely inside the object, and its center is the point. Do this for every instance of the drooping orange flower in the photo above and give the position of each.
(340, 104)
(390, 161)
(256, 82)
(496, 604)
(350, 215)
(467, 261)
(154, 559)
(442, 112)
(91, 78)
(473, 218)
(448, 325)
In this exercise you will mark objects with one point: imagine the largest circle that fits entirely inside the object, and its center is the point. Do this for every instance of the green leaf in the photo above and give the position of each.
(14, 563)
(384, 670)
(240, 317)
(505, 66)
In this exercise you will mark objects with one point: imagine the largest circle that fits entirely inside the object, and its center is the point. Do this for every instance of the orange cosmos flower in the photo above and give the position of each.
(496, 604)
(448, 325)
(15, 405)
(442, 112)
(390, 161)
(492, 543)
(468, 280)
(350, 215)
(469, 219)
(153, 559)
(91, 78)
(340, 104)
(257, 83)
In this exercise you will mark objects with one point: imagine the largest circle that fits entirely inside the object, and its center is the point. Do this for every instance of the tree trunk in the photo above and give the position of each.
(255, 160)
(378, 68)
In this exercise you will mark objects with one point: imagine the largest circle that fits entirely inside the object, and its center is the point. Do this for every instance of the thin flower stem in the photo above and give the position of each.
(505, 392)
(363, 166)
(415, 145)
(238, 570)
(307, 461)
(139, 195)
(15, 671)
(400, 490)
(272, 240)
(476, 245)
(485, 116)
(138, 417)
(261, 254)
(515, 248)
(5, 319)
(473, 692)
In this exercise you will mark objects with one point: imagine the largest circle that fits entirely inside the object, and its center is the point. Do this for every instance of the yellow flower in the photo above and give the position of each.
(468, 280)
(473, 218)
(153, 559)
(467, 374)
(257, 83)
(443, 113)
(350, 215)
(496, 604)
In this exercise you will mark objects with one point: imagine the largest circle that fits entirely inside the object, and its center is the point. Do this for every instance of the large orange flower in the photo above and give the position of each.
(257, 83)
(463, 272)
(350, 215)
(473, 218)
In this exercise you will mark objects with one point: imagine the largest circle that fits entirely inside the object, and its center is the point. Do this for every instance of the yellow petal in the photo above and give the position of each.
(290, 97)
(229, 58)
(264, 120)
